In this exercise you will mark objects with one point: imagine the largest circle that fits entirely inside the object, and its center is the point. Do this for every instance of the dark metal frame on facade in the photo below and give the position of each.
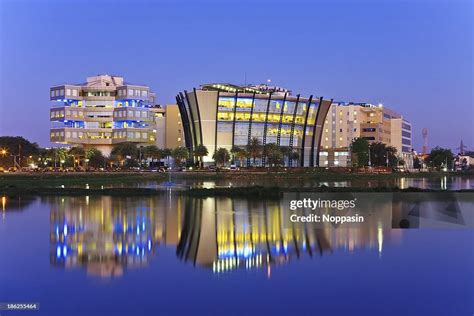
(304, 131)
(265, 126)
(292, 130)
(311, 161)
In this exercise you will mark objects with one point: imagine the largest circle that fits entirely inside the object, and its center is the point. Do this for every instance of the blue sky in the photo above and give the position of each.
(413, 56)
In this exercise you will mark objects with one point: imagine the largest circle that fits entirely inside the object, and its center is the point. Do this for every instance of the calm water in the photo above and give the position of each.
(435, 183)
(173, 255)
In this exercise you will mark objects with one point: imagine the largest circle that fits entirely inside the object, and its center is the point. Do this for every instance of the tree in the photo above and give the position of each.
(286, 152)
(380, 154)
(16, 145)
(440, 158)
(221, 156)
(254, 148)
(152, 152)
(359, 152)
(274, 155)
(95, 158)
(199, 152)
(295, 156)
(240, 153)
(417, 163)
(179, 154)
(124, 151)
(77, 153)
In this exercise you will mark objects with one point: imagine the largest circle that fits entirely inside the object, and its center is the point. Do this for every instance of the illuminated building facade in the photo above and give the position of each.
(225, 115)
(102, 112)
(375, 123)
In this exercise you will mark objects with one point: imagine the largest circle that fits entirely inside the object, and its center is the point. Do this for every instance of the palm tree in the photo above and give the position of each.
(254, 148)
(199, 152)
(241, 155)
(152, 152)
(221, 156)
(125, 151)
(179, 154)
(77, 153)
(295, 156)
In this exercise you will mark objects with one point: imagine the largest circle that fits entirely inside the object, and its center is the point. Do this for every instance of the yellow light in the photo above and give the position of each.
(4, 151)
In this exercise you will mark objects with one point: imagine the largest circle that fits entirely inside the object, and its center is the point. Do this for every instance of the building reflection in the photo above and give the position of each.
(107, 235)
(225, 234)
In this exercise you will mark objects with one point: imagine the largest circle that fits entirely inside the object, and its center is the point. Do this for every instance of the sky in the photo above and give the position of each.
(415, 57)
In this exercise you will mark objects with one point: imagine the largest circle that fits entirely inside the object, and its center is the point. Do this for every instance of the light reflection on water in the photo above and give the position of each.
(434, 183)
(218, 251)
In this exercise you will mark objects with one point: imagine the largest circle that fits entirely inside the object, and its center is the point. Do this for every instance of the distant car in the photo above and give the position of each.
(183, 169)
(212, 168)
(233, 167)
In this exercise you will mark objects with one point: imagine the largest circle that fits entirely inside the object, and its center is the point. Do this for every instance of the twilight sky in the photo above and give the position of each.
(415, 57)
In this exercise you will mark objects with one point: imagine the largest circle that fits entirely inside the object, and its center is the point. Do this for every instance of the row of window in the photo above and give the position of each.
(132, 93)
(100, 135)
(131, 114)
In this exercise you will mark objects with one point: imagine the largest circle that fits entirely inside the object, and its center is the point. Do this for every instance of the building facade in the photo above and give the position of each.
(102, 112)
(375, 123)
(225, 115)
(169, 127)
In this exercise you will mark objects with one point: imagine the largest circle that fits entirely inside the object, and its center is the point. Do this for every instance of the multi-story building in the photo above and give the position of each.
(225, 115)
(102, 112)
(169, 127)
(375, 123)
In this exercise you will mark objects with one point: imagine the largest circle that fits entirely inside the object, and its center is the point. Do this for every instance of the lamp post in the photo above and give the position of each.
(370, 162)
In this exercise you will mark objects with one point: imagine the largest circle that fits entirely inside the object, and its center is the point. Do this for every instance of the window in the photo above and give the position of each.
(130, 92)
(144, 93)
(74, 93)
(68, 91)
(51, 93)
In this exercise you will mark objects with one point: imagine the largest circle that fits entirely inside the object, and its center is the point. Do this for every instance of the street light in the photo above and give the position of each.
(4, 152)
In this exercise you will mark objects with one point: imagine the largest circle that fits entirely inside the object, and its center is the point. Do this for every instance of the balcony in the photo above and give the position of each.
(66, 113)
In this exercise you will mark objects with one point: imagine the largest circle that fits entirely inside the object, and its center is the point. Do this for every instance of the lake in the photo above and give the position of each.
(176, 255)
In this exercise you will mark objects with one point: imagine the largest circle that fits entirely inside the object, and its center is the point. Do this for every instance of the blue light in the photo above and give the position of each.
(58, 252)
(138, 251)
(64, 251)
(65, 230)
(149, 245)
(57, 231)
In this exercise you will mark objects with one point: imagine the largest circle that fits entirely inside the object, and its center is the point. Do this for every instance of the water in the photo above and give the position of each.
(434, 183)
(175, 255)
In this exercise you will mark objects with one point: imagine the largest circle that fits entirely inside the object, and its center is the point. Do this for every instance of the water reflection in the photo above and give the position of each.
(103, 234)
(108, 235)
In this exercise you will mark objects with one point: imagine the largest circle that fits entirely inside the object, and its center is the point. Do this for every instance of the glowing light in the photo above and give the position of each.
(65, 230)
(4, 203)
(64, 251)
(58, 252)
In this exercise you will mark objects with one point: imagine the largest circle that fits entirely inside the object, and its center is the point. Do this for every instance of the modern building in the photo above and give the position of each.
(375, 123)
(226, 115)
(102, 112)
(169, 128)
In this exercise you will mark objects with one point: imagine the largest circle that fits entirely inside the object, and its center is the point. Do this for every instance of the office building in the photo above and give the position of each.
(169, 128)
(375, 123)
(102, 112)
(226, 115)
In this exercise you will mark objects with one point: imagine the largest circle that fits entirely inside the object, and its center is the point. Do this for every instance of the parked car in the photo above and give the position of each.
(212, 168)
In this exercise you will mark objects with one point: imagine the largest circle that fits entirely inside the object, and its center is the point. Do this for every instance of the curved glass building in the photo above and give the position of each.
(225, 115)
